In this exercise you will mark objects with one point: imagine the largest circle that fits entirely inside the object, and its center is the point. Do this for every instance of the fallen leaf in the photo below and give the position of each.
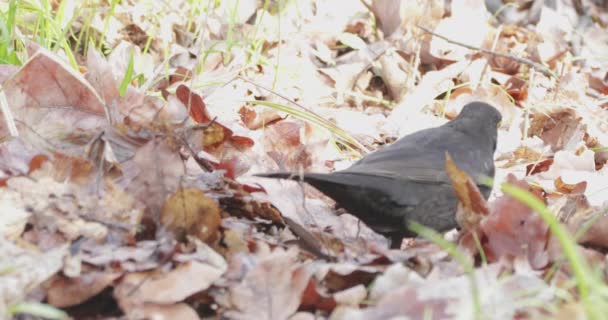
(186, 279)
(66, 292)
(25, 270)
(194, 103)
(272, 289)
(255, 119)
(192, 212)
(472, 206)
(513, 229)
(447, 298)
(313, 299)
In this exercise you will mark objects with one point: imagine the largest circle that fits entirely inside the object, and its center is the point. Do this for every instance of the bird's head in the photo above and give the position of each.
(478, 119)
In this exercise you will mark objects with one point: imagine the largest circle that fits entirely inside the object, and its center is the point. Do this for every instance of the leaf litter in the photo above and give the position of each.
(143, 200)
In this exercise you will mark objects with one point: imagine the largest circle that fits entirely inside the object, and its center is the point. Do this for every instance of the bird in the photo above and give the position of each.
(407, 180)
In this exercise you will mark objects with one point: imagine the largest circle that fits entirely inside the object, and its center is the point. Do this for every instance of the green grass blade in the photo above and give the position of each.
(126, 80)
(583, 275)
(343, 137)
(37, 309)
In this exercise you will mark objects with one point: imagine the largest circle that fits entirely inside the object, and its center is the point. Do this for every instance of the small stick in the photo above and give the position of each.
(540, 68)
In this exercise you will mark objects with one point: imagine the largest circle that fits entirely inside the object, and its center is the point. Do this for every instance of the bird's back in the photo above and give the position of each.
(421, 156)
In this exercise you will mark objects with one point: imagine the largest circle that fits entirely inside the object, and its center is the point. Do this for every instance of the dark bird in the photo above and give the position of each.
(407, 180)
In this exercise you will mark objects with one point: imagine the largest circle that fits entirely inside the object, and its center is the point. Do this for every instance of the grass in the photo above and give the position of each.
(37, 310)
(54, 30)
(590, 286)
(8, 51)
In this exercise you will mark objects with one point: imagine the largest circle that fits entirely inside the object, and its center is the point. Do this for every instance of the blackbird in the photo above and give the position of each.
(407, 180)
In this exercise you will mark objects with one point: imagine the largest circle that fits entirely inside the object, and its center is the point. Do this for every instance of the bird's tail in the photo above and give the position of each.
(321, 181)
(280, 175)
(359, 194)
(308, 176)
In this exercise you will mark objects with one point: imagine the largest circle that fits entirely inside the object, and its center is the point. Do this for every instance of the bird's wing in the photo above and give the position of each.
(398, 190)
(413, 174)
(421, 156)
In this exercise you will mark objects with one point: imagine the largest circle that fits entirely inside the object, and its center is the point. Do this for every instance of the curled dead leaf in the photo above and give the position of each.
(517, 88)
(503, 64)
(190, 211)
(255, 120)
(576, 188)
(538, 167)
(562, 129)
(472, 206)
(214, 135)
(194, 103)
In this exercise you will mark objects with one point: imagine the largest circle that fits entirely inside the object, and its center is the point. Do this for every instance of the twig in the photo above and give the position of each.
(540, 68)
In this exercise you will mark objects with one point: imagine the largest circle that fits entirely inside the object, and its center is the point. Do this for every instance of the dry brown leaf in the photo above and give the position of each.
(284, 142)
(513, 229)
(56, 85)
(565, 188)
(590, 224)
(272, 289)
(342, 276)
(101, 76)
(472, 206)
(256, 119)
(155, 169)
(69, 208)
(56, 107)
(449, 298)
(59, 207)
(538, 167)
(194, 103)
(314, 299)
(562, 130)
(573, 168)
(66, 292)
(25, 270)
(136, 289)
(190, 212)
